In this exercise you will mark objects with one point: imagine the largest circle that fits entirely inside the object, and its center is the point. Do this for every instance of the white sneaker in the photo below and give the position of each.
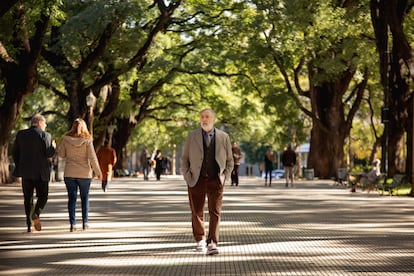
(201, 246)
(212, 249)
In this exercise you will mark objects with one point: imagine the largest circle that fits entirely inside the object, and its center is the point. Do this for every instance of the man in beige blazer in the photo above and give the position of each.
(206, 164)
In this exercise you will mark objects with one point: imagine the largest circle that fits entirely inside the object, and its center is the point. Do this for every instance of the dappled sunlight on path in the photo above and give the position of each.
(144, 228)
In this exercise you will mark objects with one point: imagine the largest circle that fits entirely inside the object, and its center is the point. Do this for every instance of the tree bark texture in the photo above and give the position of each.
(19, 75)
(396, 69)
(328, 132)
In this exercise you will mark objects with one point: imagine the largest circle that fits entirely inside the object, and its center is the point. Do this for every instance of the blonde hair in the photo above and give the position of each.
(79, 129)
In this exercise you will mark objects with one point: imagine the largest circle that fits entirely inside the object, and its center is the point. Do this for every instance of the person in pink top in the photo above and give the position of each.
(80, 162)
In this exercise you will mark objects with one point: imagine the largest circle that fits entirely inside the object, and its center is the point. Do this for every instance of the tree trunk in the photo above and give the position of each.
(19, 74)
(16, 89)
(326, 153)
(8, 119)
(389, 15)
(398, 101)
(328, 133)
(106, 116)
(410, 144)
(397, 125)
(120, 140)
(9, 113)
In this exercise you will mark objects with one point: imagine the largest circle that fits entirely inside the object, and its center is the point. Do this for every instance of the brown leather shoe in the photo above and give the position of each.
(36, 222)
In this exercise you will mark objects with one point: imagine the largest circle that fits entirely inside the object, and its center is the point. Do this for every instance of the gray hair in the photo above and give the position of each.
(37, 118)
(209, 110)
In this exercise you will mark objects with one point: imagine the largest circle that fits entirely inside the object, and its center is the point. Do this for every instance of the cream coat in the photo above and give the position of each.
(193, 152)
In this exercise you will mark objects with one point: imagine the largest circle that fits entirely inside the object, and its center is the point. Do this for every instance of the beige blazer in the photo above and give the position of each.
(193, 152)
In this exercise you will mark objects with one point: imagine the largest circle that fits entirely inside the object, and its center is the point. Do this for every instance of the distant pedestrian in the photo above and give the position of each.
(80, 163)
(237, 155)
(206, 164)
(32, 154)
(107, 160)
(159, 164)
(145, 160)
(289, 162)
(269, 159)
(54, 161)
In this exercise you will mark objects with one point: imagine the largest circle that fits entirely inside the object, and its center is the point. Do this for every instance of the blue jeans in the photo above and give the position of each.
(145, 170)
(72, 185)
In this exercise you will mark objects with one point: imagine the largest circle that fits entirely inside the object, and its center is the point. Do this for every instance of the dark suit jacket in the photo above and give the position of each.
(193, 152)
(31, 152)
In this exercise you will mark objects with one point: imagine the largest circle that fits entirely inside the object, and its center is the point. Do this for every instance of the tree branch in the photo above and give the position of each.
(6, 5)
(55, 91)
(103, 42)
(162, 22)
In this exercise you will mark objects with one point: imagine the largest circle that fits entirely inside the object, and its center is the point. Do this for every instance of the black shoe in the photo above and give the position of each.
(29, 229)
(85, 226)
(72, 227)
(104, 187)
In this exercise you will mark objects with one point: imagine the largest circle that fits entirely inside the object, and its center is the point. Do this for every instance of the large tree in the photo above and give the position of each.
(175, 75)
(397, 72)
(321, 51)
(23, 28)
(163, 60)
(100, 42)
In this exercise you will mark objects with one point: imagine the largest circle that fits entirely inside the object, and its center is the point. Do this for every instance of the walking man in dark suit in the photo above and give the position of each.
(32, 153)
(206, 164)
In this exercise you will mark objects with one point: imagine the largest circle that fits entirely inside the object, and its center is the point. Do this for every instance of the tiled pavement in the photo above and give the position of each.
(144, 228)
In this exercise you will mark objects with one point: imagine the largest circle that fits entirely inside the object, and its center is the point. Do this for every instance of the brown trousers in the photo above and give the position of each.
(197, 196)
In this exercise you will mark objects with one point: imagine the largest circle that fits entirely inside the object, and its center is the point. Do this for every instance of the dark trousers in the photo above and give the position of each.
(158, 173)
(235, 175)
(213, 189)
(268, 172)
(42, 192)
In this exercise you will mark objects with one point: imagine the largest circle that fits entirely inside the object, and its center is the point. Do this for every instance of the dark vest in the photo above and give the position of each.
(209, 168)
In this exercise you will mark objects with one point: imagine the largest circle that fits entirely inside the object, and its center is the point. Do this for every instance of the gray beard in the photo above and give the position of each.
(205, 127)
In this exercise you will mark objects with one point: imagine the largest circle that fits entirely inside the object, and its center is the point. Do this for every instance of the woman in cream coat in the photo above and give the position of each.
(80, 159)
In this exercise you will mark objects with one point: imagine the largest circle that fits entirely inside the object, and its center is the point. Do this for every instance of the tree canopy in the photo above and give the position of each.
(276, 72)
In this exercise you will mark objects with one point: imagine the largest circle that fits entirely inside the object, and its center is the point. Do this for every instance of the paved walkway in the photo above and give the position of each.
(144, 228)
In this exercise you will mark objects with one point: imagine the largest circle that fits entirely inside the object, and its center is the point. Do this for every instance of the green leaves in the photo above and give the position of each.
(251, 61)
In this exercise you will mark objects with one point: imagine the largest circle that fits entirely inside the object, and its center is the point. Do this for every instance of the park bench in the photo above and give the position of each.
(371, 185)
(343, 176)
(398, 181)
(365, 182)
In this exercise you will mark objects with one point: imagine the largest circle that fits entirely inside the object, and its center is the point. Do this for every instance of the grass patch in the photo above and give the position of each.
(405, 190)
